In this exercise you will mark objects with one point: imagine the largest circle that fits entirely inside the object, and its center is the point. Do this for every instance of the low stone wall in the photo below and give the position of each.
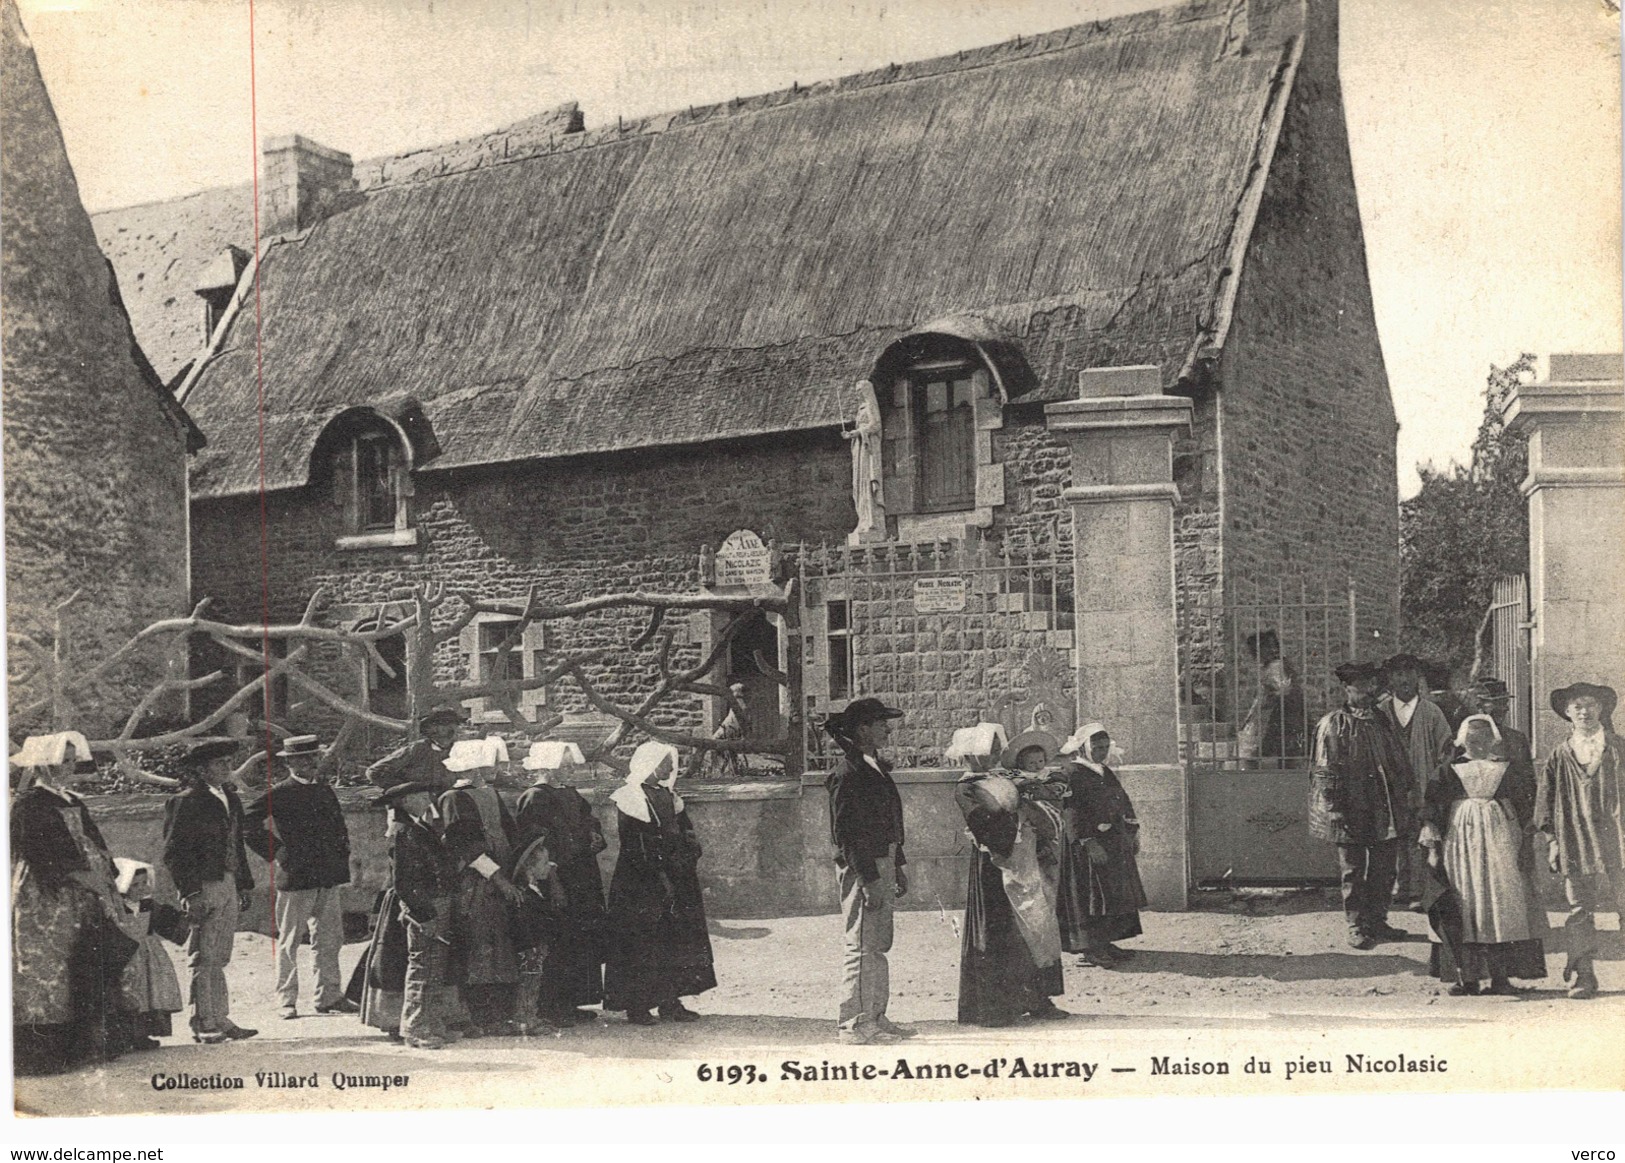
(767, 848)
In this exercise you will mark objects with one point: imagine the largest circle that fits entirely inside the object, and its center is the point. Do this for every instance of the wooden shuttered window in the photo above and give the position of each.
(944, 412)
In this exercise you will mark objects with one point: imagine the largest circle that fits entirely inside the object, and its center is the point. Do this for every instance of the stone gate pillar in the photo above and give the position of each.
(1575, 422)
(1120, 432)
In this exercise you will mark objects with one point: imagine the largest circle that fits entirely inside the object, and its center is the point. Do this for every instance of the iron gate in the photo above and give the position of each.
(1255, 677)
(1509, 644)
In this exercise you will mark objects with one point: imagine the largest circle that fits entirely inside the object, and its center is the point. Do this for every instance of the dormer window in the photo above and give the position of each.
(217, 285)
(372, 486)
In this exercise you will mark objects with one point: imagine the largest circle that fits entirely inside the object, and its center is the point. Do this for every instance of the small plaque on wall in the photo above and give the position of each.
(939, 595)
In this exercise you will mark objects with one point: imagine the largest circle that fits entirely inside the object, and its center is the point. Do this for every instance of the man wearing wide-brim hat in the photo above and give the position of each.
(1359, 800)
(203, 850)
(298, 826)
(422, 761)
(866, 828)
(1578, 808)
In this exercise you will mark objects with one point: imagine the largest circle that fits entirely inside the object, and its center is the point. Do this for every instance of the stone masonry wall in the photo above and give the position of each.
(572, 529)
(95, 466)
(1309, 478)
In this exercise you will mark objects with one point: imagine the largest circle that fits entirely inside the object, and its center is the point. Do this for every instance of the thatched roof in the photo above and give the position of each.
(730, 271)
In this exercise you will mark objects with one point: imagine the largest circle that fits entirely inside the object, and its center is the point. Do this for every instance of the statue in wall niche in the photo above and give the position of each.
(864, 433)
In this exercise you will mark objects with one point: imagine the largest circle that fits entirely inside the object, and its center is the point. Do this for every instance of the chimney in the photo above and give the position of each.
(303, 183)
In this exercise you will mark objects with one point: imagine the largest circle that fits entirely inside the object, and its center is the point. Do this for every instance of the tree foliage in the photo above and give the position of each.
(1467, 526)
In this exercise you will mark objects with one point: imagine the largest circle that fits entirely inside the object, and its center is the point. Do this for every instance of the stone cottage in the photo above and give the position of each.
(95, 445)
(565, 359)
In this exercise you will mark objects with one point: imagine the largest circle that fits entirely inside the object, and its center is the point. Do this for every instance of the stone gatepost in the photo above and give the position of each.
(1120, 432)
(1575, 422)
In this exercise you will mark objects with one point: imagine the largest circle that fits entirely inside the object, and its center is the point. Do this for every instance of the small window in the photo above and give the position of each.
(525, 658)
(944, 409)
(839, 641)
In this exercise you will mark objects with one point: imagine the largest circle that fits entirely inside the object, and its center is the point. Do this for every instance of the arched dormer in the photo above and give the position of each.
(942, 389)
(366, 456)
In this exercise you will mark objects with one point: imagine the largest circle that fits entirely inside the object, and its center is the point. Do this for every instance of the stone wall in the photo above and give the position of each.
(767, 847)
(1308, 430)
(95, 453)
(571, 529)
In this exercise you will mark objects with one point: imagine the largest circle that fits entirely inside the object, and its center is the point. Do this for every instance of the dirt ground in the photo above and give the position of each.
(1270, 965)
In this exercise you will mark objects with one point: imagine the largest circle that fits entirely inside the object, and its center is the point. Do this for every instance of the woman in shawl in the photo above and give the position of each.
(573, 975)
(1474, 817)
(659, 950)
(1107, 839)
(478, 834)
(69, 946)
(1010, 954)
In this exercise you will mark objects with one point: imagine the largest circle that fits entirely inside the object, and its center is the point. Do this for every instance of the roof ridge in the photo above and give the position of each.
(1017, 48)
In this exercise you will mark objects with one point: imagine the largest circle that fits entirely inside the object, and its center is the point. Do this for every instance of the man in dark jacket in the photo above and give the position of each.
(298, 826)
(203, 850)
(425, 760)
(1358, 800)
(866, 828)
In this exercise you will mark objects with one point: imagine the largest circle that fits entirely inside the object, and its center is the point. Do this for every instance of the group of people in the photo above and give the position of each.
(1052, 867)
(1449, 820)
(495, 920)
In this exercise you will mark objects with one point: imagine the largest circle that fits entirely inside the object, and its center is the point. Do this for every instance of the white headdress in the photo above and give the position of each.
(474, 754)
(976, 748)
(552, 755)
(630, 796)
(51, 750)
(1461, 731)
(1077, 744)
(127, 871)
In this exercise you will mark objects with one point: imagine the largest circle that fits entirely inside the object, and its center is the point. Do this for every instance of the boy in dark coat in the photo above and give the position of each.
(424, 878)
(1578, 806)
(203, 850)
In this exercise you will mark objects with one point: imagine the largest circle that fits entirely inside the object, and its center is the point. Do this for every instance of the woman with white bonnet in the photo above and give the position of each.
(1010, 955)
(1107, 835)
(1473, 820)
(69, 948)
(479, 834)
(659, 950)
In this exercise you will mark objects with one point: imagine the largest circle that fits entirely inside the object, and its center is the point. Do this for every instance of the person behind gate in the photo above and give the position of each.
(1358, 800)
(298, 827)
(866, 827)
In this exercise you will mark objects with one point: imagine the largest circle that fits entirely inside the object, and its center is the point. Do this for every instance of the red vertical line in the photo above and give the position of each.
(259, 386)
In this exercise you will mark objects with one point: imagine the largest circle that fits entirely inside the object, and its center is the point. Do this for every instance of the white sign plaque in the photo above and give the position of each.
(939, 595)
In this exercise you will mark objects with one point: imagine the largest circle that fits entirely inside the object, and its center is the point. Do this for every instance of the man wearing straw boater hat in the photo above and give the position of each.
(422, 761)
(298, 826)
(866, 828)
(203, 850)
(1578, 809)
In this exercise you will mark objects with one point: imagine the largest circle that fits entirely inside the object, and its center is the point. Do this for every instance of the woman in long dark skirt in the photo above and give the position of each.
(573, 969)
(1010, 956)
(69, 947)
(1107, 834)
(659, 950)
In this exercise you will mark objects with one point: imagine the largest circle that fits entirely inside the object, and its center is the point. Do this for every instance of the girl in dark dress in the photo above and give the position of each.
(1107, 835)
(659, 950)
(573, 973)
